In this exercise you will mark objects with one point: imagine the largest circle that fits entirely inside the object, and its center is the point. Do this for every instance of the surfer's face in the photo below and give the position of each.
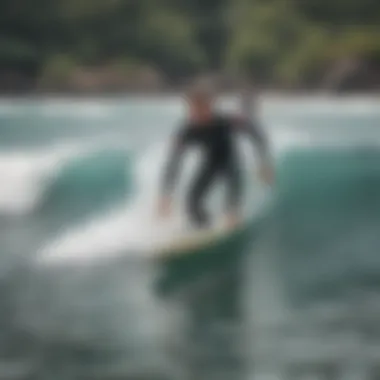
(201, 107)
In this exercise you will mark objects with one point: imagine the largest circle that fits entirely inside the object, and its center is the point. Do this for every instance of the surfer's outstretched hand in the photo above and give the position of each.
(233, 219)
(266, 173)
(164, 207)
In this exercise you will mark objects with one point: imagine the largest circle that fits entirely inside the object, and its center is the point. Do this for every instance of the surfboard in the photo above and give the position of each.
(195, 240)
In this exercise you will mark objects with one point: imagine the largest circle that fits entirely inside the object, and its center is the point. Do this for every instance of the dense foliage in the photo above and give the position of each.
(281, 42)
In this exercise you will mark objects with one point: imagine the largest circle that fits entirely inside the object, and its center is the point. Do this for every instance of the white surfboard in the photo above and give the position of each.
(194, 240)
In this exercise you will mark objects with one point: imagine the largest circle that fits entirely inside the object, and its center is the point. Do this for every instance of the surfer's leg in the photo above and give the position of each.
(201, 184)
(234, 188)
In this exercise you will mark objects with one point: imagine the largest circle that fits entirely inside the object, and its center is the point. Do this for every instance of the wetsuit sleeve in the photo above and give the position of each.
(173, 163)
(256, 134)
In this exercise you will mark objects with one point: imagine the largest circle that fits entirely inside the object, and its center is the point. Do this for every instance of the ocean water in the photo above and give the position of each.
(80, 300)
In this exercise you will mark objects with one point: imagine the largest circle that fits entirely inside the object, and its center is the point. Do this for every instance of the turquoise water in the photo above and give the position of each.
(93, 310)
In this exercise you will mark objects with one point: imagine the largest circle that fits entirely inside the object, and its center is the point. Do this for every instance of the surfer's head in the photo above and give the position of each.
(200, 98)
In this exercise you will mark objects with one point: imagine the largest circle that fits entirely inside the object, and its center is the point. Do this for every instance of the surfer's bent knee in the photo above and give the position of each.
(234, 188)
(195, 210)
(195, 206)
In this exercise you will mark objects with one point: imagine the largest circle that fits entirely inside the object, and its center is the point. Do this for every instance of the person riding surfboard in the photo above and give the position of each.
(214, 132)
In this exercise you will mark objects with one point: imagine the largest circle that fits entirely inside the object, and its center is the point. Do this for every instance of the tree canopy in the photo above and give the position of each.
(280, 42)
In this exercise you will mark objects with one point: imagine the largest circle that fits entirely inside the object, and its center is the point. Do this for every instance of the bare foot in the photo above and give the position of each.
(232, 220)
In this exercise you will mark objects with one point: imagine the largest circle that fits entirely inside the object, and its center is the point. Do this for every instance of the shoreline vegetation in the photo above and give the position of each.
(93, 47)
(113, 81)
(262, 96)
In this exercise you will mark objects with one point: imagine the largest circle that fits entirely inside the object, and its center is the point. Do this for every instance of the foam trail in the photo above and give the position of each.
(132, 228)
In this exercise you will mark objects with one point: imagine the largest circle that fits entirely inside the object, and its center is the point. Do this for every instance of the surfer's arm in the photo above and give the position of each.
(260, 142)
(172, 166)
(256, 135)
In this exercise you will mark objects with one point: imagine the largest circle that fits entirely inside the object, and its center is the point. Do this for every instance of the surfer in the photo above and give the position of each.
(214, 133)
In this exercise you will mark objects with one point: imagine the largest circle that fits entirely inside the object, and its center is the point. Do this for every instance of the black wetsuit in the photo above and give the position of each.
(216, 139)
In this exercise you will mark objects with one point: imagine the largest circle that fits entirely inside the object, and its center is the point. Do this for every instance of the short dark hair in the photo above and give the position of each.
(201, 90)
